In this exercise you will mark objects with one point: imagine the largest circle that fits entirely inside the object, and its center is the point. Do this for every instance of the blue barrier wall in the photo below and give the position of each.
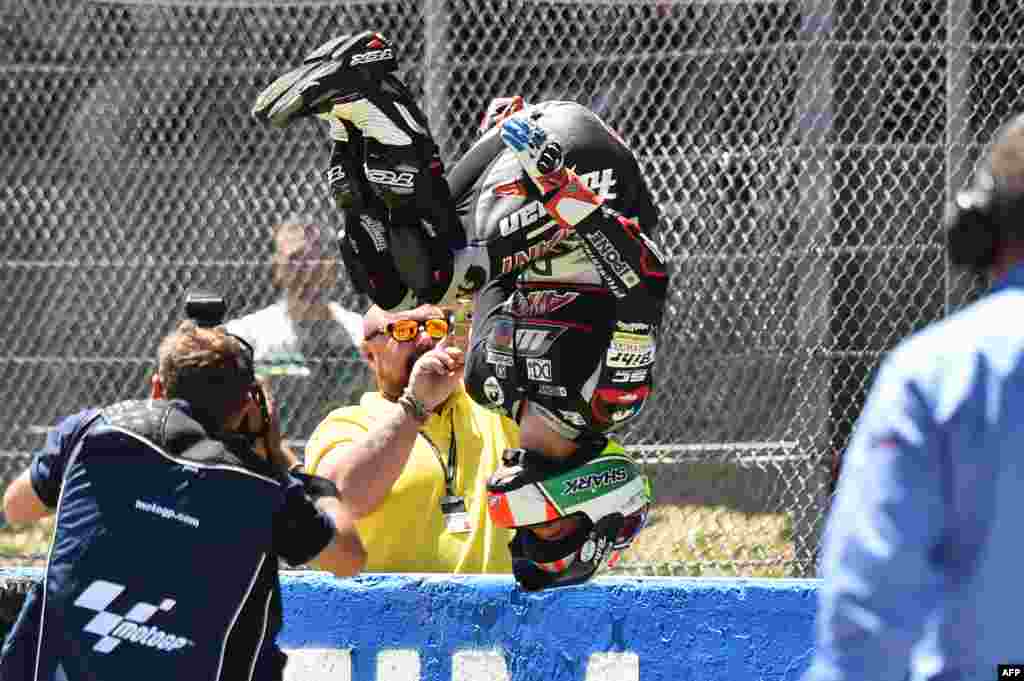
(439, 628)
(669, 628)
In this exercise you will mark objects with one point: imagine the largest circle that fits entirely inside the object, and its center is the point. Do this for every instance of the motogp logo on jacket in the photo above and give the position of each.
(130, 627)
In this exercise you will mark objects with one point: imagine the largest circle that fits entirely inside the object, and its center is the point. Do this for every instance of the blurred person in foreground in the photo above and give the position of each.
(171, 514)
(306, 345)
(920, 553)
(412, 461)
(545, 223)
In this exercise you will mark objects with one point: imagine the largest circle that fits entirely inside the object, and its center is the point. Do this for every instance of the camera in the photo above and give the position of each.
(205, 308)
(208, 309)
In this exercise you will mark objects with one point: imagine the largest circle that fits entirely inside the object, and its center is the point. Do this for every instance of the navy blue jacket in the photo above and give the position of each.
(164, 563)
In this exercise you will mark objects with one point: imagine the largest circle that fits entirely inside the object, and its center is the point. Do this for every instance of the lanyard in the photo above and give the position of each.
(452, 467)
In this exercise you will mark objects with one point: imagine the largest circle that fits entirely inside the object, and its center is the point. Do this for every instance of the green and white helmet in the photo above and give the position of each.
(607, 494)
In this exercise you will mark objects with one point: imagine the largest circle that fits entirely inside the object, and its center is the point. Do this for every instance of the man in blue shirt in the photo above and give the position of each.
(920, 560)
(171, 514)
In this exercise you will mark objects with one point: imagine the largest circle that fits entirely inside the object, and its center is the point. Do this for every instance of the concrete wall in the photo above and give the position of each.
(439, 628)
(406, 628)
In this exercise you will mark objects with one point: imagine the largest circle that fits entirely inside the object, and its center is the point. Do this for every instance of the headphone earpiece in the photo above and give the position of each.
(971, 231)
(991, 209)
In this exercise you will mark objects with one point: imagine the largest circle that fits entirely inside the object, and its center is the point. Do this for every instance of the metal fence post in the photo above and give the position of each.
(437, 71)
(814, 308)
(959, 18)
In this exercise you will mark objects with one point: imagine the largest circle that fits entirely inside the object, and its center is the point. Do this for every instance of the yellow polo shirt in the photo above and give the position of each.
(408, 532)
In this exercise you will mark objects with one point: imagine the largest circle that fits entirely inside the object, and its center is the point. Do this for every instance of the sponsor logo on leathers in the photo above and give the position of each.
(538, 370)
(540, 303)
(600, 182)
(402, 180)
(634, 327)
(493, 391)
(372, 56)
(529, 341)
(612, 259)
(627, 351)
(629, 376)
(521, 259)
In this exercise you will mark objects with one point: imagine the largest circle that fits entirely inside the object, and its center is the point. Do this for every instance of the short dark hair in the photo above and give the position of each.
(206, 367)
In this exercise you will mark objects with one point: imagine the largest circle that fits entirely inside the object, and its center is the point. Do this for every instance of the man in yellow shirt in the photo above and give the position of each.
(412, 461)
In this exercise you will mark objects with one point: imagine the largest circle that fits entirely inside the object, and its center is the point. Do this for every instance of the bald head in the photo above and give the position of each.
(1006, 158)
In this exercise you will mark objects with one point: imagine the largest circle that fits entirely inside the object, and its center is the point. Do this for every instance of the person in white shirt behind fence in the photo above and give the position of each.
(306, 344)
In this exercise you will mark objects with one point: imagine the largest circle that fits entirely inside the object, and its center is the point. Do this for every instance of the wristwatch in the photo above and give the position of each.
(414, 406)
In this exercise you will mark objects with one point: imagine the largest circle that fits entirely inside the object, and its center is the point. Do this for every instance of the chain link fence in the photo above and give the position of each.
(800, 151)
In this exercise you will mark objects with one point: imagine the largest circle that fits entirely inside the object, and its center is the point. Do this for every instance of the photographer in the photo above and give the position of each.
(171, 514)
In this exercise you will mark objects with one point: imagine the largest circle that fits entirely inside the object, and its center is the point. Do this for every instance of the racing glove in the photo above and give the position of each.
(499, 109)
(567, 198)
